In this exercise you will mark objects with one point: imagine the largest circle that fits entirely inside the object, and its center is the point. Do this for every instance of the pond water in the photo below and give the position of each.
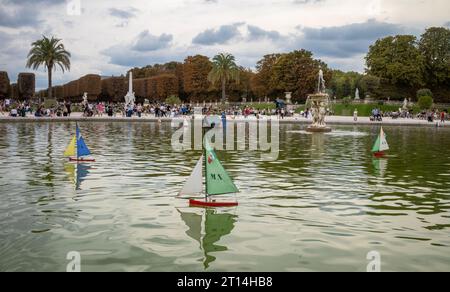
(322, 206)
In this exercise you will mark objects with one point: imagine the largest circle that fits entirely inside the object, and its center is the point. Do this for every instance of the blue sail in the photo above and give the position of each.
(78, 132)
(82, 149)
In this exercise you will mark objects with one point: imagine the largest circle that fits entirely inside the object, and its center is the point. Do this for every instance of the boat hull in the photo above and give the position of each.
(379, 154)
(81, 160)
(195, 203)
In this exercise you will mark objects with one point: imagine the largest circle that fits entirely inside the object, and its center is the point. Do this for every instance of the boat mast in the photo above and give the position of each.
(205, 160)
(76, 138)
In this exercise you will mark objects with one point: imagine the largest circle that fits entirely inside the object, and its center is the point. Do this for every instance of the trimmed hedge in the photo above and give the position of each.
(27, 85)
(114, 89)
(166, 85)
(92, 85)
(4, 84)
(14, 91)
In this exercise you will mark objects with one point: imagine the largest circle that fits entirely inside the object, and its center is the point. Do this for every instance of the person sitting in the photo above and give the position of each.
(13, 113)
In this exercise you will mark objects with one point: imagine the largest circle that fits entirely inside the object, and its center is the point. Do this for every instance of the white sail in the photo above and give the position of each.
(383, 142)
(194, 184)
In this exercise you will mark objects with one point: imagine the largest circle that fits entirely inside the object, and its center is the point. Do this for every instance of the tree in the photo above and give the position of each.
(425, 102)
(369, 84)
(424, 92)
(50, 53)
(397, 59)
(261, 82)
(344, 84)
(243, 89)
(173, 100)
(224, 70)
(434, 46)
(195, 76)
(297, 72)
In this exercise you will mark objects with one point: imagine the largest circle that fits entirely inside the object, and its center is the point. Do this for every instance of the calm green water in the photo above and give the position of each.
(322, 206)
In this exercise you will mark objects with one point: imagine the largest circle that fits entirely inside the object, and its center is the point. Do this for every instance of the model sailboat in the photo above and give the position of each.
(381, 145)
(78, 149)
(217, 181)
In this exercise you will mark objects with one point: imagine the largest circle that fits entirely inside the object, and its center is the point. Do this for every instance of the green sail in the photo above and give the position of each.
(376, 146)
(218, 182)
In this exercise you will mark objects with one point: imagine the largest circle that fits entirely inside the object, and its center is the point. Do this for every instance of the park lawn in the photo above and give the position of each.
(260, 106)
(364, 110)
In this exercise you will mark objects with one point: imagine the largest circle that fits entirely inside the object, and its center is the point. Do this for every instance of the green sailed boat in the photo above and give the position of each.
(381, 145)
(217, 181)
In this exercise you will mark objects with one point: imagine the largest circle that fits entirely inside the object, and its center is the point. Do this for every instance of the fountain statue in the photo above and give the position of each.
(288, 97)
(405, 105)
(318, 103)
(130, 99)
(85, 98)
(357, 97)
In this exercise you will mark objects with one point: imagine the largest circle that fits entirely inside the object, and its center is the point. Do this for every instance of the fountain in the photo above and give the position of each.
(319, 102)
(130, 99)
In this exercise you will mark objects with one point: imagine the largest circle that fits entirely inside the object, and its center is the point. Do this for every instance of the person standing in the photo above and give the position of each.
(100, 109)
(355, 115)
(7, 104)
(442, 117)
(139, 110)
(69, 108)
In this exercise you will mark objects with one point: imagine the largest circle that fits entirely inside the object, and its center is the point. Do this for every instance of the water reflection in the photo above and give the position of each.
(216, 225)
(380, 166)
(326, 198)
(77, 173)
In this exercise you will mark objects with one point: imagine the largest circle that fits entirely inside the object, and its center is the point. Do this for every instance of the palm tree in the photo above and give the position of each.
(50, 53)
(224, 70)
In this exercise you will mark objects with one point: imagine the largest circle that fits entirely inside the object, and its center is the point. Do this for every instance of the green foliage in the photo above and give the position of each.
(224, 70)
(173, 100)
(260, 106)
(346, 101)
(345, 83)
(435, 48)
(364, 110)
(289, 67)
(370, 85)
(398, 59)
(50, 103)
(49, 53)
(424, 92)
(425, 102)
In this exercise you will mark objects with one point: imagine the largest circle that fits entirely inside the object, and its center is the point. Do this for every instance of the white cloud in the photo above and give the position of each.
(105, 37)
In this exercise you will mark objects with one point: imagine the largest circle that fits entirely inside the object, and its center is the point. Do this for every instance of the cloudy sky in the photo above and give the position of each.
(108, 37)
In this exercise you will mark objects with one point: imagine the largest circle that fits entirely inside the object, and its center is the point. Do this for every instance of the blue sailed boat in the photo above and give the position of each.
(77, 149)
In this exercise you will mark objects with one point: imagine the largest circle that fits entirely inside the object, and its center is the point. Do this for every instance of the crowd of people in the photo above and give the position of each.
(430, 115)
(162, 110)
